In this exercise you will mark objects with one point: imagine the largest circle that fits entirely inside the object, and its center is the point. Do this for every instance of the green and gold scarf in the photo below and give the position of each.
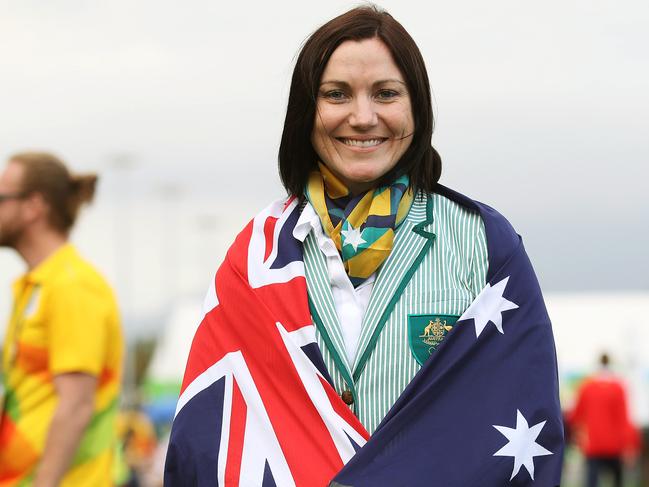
(361, 226)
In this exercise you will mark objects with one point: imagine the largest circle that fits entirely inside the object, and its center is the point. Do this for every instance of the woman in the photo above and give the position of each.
(372, 301)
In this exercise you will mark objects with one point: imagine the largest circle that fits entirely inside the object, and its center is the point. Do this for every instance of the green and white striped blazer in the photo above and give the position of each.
(438, 265)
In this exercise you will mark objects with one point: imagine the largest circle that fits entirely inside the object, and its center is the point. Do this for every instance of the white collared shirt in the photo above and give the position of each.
(351, 303)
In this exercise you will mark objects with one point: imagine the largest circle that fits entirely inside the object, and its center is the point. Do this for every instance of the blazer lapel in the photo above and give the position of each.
(322, 305)
(412, 242)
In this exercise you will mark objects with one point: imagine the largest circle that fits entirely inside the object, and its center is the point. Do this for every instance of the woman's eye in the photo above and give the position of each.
(335, 95)
(386, 94)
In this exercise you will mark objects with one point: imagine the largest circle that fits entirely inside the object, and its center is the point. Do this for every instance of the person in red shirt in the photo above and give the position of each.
(602, 426)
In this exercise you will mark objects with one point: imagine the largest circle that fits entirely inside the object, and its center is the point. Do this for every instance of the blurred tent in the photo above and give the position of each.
(587, 324)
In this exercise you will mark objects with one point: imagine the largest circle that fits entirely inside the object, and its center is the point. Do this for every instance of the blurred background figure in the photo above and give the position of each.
(63, 348)
(138, 442)
(600, 424)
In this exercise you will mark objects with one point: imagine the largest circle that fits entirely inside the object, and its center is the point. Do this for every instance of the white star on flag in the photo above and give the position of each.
(488, 306)
(353, 237)
(522, 444)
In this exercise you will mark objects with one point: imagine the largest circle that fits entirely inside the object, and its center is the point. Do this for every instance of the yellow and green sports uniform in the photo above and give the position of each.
(64, 319)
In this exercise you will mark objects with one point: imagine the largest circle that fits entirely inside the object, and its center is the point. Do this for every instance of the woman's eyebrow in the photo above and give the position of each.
(390, 80)
(334, 82)
(345, 84)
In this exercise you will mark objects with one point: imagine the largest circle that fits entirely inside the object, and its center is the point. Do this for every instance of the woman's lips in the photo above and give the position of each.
(362, 143)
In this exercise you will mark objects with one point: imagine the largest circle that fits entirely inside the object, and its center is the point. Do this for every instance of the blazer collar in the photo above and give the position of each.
(321, 303)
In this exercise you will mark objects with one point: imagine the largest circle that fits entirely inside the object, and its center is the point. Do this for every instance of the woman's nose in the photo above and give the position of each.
(363, 113)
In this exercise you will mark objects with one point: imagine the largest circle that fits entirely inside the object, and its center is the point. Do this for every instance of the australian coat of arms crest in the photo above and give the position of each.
(426, 332)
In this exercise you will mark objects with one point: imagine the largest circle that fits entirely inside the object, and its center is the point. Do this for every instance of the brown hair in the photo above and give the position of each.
(297, 158)
(47, 175)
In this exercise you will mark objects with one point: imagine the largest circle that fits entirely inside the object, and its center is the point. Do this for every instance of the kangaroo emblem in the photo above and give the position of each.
(435, 330)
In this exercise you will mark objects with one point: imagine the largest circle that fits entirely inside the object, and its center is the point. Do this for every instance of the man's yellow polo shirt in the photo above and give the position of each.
(64, 319)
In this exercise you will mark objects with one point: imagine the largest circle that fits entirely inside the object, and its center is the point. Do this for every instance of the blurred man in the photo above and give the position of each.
(63, 348)
(601, 421)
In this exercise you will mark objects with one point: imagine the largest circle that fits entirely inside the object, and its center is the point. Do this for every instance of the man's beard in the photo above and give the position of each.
(9, 237)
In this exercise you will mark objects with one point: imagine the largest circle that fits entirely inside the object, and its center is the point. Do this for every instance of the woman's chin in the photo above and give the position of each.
(358, 178)
(359, 185)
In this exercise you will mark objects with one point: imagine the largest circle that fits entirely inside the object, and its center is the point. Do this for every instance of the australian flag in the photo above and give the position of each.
(257, 407)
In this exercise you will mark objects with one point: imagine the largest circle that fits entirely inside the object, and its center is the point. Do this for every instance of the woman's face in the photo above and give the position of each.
(363, 122)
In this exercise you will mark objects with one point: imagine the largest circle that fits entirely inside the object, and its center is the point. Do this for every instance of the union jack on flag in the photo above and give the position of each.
(257, 408)
(255, 376)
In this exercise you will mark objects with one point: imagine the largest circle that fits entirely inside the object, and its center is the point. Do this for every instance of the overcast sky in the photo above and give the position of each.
(542, 112)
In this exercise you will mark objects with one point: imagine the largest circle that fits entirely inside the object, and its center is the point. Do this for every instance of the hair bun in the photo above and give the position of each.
(83, 187)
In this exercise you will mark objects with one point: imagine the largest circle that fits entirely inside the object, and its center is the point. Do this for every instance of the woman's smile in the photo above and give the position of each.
(362, 144)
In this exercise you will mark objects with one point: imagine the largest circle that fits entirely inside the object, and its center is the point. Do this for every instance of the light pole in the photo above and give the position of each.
(122, 166)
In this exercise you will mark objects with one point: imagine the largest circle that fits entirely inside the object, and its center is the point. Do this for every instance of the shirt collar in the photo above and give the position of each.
(50, 265)
(308, 221)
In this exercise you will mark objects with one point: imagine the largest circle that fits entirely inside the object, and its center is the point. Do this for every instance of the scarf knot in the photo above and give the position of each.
(363, 226)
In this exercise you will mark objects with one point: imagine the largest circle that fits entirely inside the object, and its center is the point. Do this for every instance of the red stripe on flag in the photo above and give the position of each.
(205, 350)
(294, 316)
(235, 444)
(288, 202)
(269, 230)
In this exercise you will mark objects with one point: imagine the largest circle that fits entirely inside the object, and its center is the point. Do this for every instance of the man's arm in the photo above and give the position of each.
(76, 392)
